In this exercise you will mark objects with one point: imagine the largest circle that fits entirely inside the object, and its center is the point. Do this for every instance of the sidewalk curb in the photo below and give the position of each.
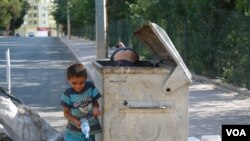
(75, 55)
(91, 74)
(219, 82)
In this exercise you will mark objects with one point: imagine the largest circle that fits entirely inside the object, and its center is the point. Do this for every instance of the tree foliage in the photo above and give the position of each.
(4, 14)
(82, 12)
(59, 12)
(16, 22)
(12, 13)
(211, 35)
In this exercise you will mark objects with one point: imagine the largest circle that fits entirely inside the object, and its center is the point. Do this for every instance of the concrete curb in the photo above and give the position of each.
(88, 66)
(77, 58)
(219, 82)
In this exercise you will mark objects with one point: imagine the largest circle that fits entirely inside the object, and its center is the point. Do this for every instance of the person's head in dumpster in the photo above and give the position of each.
(80, 101)
(124, 57)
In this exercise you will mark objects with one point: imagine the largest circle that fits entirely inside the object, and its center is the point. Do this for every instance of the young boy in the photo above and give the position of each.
(80, 101)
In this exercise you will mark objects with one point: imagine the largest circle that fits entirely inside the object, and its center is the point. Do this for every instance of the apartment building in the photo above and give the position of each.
(38, 21)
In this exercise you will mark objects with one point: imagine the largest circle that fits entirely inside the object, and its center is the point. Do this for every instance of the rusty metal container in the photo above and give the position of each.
(148, 102)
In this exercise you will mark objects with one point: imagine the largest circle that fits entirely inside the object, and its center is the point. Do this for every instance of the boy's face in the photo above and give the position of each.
(77, 83)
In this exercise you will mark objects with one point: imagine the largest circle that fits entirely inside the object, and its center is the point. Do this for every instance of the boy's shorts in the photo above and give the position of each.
(69, 136)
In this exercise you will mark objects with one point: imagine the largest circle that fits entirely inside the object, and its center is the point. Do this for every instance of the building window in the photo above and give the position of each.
(30, 22)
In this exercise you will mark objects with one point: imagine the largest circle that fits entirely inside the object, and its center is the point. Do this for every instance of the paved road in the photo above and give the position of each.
(38, 73)
(210, 106)
(38, 78)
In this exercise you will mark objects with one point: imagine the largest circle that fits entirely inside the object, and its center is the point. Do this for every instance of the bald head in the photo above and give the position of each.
(126, 55)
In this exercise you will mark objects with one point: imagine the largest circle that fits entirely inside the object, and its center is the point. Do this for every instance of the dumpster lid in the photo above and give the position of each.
(158, 41)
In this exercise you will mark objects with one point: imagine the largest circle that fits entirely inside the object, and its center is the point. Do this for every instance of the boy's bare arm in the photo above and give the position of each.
(70, 117)
(95, 104)
(96, 110)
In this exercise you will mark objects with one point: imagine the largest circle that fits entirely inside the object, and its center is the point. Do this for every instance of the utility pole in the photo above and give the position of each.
(68, 21)
(101, 28)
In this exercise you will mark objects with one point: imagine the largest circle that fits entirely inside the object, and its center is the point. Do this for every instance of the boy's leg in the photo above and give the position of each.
(72, 137)
(91, 138)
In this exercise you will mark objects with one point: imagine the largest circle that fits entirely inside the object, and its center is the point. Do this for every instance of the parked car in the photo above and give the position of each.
(17, 35)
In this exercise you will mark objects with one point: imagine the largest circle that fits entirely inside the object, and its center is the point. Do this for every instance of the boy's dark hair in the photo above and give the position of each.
(76, 70)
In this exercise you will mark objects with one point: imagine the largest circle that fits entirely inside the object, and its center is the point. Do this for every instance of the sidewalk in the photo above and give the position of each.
(211, 102)
(84, 50)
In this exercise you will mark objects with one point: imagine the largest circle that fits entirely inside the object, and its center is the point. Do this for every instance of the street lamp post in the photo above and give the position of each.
(101, 28)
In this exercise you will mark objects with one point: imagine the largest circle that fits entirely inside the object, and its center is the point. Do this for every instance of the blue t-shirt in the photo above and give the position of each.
(81, 105)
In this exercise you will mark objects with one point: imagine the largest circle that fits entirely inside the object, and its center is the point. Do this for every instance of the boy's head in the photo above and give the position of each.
(76, 75)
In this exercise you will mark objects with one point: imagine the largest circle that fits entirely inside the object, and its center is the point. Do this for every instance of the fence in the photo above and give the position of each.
(217, 47)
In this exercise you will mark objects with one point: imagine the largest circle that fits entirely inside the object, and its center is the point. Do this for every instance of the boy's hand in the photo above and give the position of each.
(96, 111)
(78, 123)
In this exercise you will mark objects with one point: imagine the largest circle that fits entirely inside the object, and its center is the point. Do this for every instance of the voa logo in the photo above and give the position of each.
(236, 132)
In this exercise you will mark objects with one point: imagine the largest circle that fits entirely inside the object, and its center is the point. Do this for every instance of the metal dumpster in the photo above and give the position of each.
(148, 102)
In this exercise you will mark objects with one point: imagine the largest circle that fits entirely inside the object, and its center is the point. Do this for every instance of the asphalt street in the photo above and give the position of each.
(38, 78)
(38, 73)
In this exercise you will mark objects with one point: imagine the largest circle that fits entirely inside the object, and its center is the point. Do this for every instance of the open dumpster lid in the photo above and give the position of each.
(158, 41)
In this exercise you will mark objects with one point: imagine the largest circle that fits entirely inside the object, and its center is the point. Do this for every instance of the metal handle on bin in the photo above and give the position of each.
(147, 107)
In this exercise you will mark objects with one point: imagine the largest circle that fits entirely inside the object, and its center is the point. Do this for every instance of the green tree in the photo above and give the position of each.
(4, 14)
(59, 11)
(82, 12)
(18, 21)
(12, 11)
(211, 35)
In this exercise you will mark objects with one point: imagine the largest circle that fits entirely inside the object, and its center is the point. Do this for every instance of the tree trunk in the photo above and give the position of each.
(7, 30)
